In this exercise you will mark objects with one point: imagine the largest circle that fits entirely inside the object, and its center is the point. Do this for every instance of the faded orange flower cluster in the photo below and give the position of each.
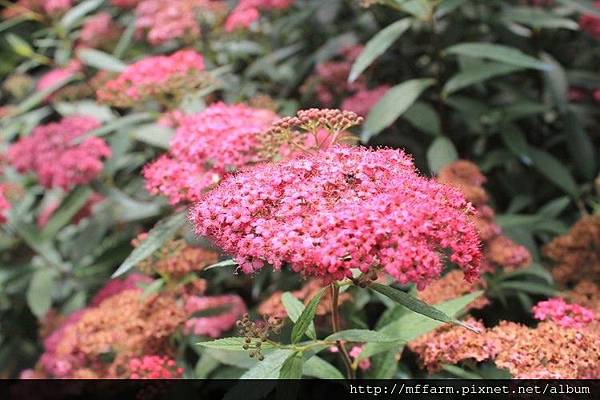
(451, 286)
(273, 306)
(576, 255)
(546, 351)
(175, 258)
(499, 250)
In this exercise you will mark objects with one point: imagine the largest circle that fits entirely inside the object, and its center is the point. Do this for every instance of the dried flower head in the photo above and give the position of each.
(340, 209)
(567, 315)
(18, 85)
(451, 286)
(162, 78)
(59, 155)
(576, 254)
(206, 147)
(255, 333)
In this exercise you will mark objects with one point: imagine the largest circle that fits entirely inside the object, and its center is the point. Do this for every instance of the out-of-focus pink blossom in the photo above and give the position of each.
(154, 367)
(162, 20)
(590, 23)
(48, 211)
(340, 209)
(248, 11)
(363, 364)
(57, 154)
(566, 315)
(56, 75)
(125, 3)
(206, 147)
(213, 326)
(362, 101)
(152, 77)
(98, 30)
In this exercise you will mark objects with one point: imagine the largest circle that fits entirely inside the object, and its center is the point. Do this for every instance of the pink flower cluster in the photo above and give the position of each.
(58, 155)
(590, 23)
(233, 308)
(152, 77)
(51, 7)
(205, 148)
(344, 208)
(162, 20)
(57, 6)
(154, 367)
(566, 315)
(98, 30)
(60, 366)
(248, 11)
(363, 100)
(56, 75)
(4, 204)
(125, 3)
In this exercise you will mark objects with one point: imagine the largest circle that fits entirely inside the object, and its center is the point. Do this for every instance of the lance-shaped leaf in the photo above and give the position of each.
(294, 308)
(306, 318)
(500, 53)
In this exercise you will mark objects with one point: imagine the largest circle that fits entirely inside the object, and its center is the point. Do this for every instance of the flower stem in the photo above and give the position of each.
(335, 325)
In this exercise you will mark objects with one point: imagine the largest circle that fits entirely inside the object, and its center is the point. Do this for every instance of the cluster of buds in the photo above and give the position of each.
(255, 333)
(312, 129)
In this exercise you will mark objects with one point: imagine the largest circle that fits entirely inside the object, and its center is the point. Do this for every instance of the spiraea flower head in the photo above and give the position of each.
(206, 147)
(162, 78)
(161, 21)
(50, 8)
(246, 12)
(343, 208)
(98, 31)
(562, 313)
(59, 154)
(154, 367)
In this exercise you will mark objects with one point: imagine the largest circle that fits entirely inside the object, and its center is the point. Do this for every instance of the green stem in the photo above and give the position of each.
(335, 324)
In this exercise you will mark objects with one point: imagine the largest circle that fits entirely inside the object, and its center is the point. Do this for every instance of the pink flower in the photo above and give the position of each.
(56, 154)
(566, 315)
(248, 11)
(125, 3)
(590, 23)
(162, 20)
(97, 30)
(364, 364)
(154, 367)
(57, 6)
(152, 77)
(5, 206)
(58, 75)
(206, 147)
(213, 326)
(341, 209)
(362, 101)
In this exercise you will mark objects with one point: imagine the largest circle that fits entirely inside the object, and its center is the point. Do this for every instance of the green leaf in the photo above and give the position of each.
(307, 316)
(76, 13)
(85, 107)
(153, 287)
(416, 305)
(232, 344)
(392, 105)
(377, 46)
(445, 7)
(516, 142)
(497, 52)
(19, 46)
(441, 152)
(157, 236)
(557, 83)
(125, 40)
(153, 134)
(101, 60)
(529, 287)
(292, 367)
(120, 123)
(580, 146)
(221, 264)
(361, 335)
(66, 211)
(538, 18)
(477, 74)
(270, 367)
(423, 117)
(294, 308)
(319, 368)
(38, 97)
(39, 293)
(553, 170)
